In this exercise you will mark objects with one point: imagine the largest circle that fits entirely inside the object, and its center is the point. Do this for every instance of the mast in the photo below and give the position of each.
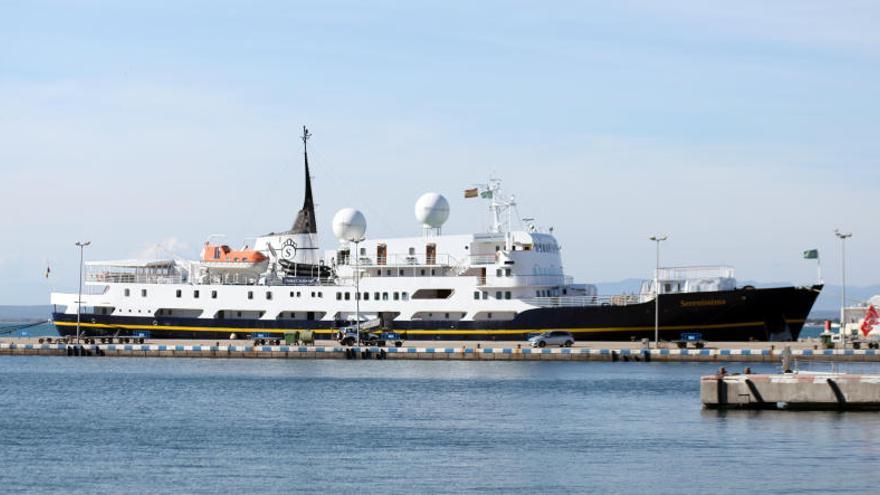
(305, 219)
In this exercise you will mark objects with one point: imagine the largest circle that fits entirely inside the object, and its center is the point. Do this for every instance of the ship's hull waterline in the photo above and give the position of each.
(735, 315)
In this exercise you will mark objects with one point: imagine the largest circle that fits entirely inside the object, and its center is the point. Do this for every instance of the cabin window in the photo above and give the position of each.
(235, 259)
(310, 315)
(216, 253)
(339, 296)
(320, 295)
(498, 272)
(485, 295)
(400, 272)
(363, 251)
(397, 296)
(433, 272)
(268, 296)
(384, 296)
(378, 273)
(195, 294)
(508, 272)
(376, 296)
(213, 294)
(366, 296)
(239, 314)
(250, 295)
(127, 292)
(143, 292)
(179, 293)
(423, 272)
(291, 293)
(405, 296)
(507, 295)
(347, 296)
(477, 295)
(412, 251)
(447, 316)
(498, 295)
(489, 315)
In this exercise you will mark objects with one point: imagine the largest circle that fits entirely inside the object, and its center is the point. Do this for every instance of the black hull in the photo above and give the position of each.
(736, 315)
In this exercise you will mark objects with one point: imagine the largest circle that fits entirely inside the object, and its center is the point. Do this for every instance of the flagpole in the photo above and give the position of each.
(819, 268)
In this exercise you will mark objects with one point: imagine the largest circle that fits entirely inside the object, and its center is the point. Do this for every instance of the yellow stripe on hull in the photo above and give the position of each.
(325, 331)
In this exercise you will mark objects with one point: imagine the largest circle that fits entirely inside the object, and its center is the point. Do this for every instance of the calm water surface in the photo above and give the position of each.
(187, 425)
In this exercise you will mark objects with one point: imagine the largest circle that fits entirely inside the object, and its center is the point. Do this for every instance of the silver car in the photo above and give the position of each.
(562, 339)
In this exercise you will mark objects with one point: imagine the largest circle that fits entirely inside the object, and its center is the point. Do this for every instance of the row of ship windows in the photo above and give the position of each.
(250, 294)
(377, 296)
(504, 272)
(498, 295)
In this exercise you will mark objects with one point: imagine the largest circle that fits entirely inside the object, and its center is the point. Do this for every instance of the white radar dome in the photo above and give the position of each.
(349, 225)
(432, 210)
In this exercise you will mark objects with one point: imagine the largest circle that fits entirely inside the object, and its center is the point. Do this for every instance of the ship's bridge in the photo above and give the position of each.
(497, 259)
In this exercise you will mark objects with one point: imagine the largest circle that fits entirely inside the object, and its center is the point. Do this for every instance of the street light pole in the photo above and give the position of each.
(657, 239)
(82, 246)
(357, 290)
(843, 236)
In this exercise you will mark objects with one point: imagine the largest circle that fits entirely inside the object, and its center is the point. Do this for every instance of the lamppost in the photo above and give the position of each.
(843, 236)
(357, 288)
(657, 239)
(82, 246)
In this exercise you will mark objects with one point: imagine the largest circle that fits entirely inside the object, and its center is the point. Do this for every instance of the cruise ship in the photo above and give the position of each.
(502, 284)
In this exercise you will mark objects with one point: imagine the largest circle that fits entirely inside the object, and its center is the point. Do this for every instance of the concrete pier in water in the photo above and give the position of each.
(796, 390)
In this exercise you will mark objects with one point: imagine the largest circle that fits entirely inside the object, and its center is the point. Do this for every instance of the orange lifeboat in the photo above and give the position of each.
(224, 254)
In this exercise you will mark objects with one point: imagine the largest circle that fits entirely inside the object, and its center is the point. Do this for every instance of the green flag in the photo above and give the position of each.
(812, 254)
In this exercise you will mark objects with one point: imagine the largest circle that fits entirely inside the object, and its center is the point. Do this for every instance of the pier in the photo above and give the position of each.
(494, 351)
(797, 390)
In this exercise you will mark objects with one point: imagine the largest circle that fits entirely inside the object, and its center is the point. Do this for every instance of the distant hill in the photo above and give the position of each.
(25, 313)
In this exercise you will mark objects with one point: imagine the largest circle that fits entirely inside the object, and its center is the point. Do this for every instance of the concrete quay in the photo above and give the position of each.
(797, 390)
(496, 351)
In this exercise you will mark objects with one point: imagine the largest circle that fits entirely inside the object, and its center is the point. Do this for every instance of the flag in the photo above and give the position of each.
(486, 194)
(471, 193)
(870, 321)
(812, 254)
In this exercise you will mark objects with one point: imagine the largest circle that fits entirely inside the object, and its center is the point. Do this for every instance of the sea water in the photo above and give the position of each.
(121, 425)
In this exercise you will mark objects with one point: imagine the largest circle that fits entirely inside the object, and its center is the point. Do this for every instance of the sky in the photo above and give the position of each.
(746, 131)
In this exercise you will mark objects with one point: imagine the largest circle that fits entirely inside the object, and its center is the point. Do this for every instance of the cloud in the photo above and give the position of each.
(169, 247)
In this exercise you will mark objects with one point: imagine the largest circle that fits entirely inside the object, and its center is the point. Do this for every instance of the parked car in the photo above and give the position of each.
(556, 337)
(348, 336)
